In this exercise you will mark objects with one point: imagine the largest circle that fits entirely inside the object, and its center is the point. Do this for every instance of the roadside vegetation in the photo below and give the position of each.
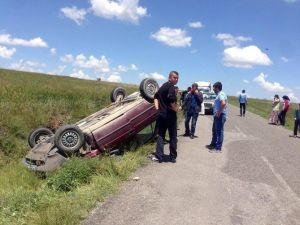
(30, 100)
(263, 108)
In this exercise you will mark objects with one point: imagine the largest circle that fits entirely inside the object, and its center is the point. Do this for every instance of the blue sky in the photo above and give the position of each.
(245, 44)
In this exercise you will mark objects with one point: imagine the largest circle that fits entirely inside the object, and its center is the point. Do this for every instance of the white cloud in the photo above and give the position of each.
(290, 1)
(194, 51)
(246, 57)
(154, 75)
(246, 81)
(275, 87)
(134, 67)
(124, 10)
(100, 65)
(67, 58)
(115, 77)
(29, 66)
(230, 40)
(172, 37)
(196, 24)
(53, 51)
(122, 68)
(6, 53)
(80, 74)
(35, 42)
(77, 15)
(269, 86)
(284, 59)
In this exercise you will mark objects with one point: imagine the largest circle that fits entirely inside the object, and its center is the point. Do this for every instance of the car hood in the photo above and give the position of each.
(44, 157)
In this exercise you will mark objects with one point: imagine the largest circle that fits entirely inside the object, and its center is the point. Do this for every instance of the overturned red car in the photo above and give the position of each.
(102, 131)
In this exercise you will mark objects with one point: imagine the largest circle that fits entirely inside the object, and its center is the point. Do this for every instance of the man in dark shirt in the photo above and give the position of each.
(166, 103)
(192, 107)
(183, 94)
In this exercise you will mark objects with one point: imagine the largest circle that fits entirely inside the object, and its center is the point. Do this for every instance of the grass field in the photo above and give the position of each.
(263, 108)
(29, 101)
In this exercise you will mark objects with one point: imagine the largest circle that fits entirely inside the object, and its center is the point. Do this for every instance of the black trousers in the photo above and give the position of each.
(296, 126)
(242, 109)
(281, 117)
(164, 124)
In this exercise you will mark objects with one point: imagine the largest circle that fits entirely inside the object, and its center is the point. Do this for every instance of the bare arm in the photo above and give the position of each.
(156, 104)
(222, 108)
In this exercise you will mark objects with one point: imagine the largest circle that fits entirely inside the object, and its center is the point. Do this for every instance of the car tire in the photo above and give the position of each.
(69, 139)
(118, 94)
(148, 88)
(38, 135)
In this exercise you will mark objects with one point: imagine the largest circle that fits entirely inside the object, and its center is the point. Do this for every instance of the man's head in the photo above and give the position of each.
(217, 87)
(299, 105)
(189, 89)
(194, 87)
(243, 91)
(173, 77)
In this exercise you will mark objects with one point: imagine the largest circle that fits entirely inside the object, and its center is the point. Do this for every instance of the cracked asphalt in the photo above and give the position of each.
(255, 180)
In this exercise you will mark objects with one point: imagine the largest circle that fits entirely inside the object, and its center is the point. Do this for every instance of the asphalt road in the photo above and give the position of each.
(255, 180)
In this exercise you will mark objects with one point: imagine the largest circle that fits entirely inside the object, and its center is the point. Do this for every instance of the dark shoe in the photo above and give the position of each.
(192, 136)
(218, 150)
(186, 135)
(173, 160)
(210, 147)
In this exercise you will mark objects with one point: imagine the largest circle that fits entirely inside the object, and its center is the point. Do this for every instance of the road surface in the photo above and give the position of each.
(255, 180)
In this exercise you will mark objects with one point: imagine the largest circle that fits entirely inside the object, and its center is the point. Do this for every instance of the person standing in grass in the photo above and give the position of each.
(285, 108)
(297, 120)
(243, 102)
(275, 109)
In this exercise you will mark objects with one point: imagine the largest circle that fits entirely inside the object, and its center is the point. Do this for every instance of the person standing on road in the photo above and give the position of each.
(192, 107)
(243, 102)
(297, 120)
(275, 109)
(183, 95)
(285, 108)
(219, 116)
(165, 102)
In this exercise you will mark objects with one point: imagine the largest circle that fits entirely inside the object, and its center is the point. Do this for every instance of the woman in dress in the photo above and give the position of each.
(275, 110)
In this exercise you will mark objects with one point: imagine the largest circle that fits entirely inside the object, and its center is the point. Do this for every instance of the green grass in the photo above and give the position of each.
(263, 108)
(30, 100)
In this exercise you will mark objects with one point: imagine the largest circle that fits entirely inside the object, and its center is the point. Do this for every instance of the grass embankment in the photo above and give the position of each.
(29, 101)
(263, 108)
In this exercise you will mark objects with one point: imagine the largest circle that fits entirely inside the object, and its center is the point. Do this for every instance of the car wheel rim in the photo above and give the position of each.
(119, 98)
(41, 138)
(151, 89)
(69, 139)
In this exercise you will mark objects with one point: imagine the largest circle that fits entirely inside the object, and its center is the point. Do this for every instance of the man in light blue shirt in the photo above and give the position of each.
(220, 112)
(243, 102)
